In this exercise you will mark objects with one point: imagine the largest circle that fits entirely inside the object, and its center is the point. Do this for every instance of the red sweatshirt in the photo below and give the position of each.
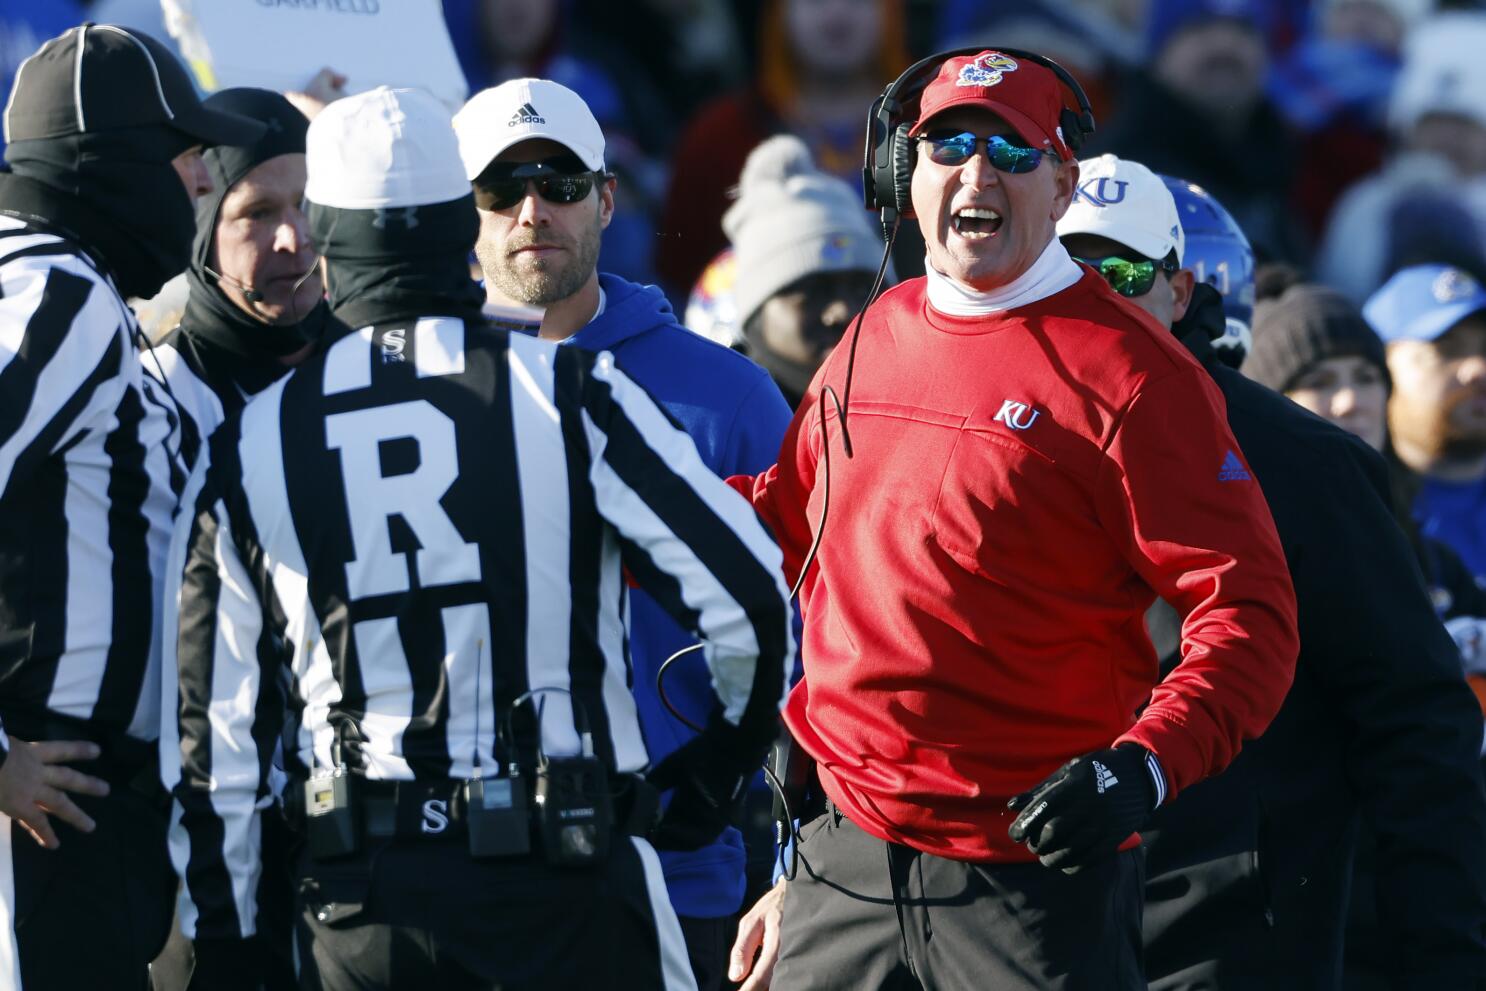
(1021, 483)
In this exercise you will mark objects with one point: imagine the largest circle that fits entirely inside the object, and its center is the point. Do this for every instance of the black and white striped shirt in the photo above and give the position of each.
(202, 409)
(390, 545)
(90, 477)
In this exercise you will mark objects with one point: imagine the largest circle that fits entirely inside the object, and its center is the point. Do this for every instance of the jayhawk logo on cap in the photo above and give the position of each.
(986, 69)
(1452, 284)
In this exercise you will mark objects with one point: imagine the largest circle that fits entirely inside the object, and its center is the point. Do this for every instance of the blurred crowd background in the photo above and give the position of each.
(1348, 137)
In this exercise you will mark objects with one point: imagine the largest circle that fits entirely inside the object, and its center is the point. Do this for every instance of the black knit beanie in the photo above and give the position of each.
(1304, 325)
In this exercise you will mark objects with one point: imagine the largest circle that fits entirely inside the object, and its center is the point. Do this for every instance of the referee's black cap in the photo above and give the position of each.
(99, 77)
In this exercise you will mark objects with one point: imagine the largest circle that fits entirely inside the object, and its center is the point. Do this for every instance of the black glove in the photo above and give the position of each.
(227, 965)
(1083, 811)
(710, 775)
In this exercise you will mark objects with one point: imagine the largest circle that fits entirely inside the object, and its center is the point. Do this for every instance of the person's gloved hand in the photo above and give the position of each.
(1085, 809)
(710, 775)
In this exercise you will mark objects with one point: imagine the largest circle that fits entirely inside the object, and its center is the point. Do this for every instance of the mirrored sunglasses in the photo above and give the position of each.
(503, 186)
(1126, 277)
(958, 147)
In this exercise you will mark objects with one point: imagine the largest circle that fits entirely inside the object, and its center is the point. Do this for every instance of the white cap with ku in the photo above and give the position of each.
(1125, 202)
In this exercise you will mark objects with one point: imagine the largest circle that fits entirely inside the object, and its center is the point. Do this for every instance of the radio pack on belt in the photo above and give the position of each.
(574, 817)
(572, 811)
(496, 810)
(565, 803)
(332, 814)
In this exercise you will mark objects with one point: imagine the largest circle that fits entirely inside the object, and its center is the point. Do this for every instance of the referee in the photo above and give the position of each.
(412, 546)
(104, 132)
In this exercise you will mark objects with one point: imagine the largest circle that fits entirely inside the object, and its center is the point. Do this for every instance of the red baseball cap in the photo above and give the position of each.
(1027, 95)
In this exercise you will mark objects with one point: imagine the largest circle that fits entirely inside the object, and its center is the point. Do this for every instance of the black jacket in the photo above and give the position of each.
(1249, 872)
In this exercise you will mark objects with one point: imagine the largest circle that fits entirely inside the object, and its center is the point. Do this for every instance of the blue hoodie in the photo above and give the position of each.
(737, 417)
(1454, 513)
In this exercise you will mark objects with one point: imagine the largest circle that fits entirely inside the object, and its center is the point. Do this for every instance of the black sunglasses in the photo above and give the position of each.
(958, 147)
(560, 180)
(1130, 278)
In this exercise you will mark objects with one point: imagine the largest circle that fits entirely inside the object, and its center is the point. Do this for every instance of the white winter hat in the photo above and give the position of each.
(792, 220)
(383, 148)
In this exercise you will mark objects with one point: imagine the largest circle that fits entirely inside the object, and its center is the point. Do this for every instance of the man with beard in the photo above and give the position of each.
(1433, 319)
(104, 131)
(535, 154)
(256, 309)
(406, 561)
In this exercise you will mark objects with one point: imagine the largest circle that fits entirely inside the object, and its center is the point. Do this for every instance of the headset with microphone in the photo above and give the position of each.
(887, 179)
(888, 158)
(253, 296)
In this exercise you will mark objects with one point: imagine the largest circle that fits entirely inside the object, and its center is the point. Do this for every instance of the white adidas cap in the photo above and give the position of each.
(1125, 202)
(497, 118)
(383, 148)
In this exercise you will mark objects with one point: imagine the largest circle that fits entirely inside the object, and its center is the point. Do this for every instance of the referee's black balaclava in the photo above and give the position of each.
(391, 209)
(97, 115)
(210, 314)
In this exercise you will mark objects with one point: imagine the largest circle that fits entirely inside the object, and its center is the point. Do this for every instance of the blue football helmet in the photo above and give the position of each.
(1218, 253)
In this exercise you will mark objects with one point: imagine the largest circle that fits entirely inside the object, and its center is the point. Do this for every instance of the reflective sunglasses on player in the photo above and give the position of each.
(562, 180)
(958, 147)
(1130, 278)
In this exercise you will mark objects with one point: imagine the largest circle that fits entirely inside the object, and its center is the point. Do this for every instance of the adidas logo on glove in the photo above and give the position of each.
(1104, 778)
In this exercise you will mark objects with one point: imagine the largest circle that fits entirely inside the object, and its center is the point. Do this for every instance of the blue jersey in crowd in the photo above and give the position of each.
(737, 417)
(1454, 513)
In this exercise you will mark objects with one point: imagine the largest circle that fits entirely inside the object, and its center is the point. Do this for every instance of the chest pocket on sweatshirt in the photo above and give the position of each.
(1005, 506)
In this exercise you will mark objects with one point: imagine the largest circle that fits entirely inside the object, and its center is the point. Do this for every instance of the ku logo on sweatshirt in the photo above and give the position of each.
(1017, 415)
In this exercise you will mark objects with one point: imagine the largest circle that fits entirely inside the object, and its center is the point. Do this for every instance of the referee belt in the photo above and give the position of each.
(435, 810)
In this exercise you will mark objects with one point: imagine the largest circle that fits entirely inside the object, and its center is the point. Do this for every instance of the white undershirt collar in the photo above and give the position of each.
(1051, 273)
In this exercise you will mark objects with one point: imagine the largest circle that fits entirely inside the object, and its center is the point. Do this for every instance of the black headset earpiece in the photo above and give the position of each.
(902, 159)
(887, 168)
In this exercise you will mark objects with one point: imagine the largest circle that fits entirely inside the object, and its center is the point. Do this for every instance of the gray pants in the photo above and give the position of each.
(864, 914)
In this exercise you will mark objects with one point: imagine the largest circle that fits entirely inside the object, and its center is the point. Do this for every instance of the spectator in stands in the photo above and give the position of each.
(806, 255)
(821, 63)
(1438, 121)
(1433, 318)
(1202, 114)
(1313, 345)
(1333, 89)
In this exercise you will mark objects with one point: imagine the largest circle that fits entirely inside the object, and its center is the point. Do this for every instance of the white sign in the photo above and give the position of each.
(281, 44)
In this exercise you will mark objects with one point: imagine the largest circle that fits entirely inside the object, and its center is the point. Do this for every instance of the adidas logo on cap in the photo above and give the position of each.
(527, 114)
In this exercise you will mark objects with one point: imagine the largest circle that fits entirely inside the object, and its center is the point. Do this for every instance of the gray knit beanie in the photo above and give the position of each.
(792, 220)
(1302, 326)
